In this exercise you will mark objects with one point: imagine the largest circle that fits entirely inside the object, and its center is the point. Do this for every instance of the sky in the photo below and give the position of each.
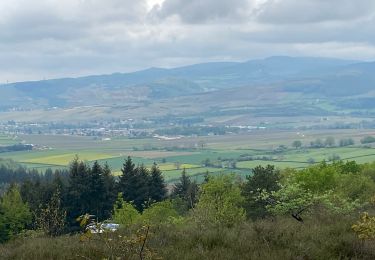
(42, 39)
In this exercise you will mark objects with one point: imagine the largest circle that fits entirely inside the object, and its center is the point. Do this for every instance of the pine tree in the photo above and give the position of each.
(110, 191)
(141, 196)
(134, 184)
(262, 179)
(186, 190)
(96, 190)
(157, 187)
(181, 188)
(127, 178)
(78, 190)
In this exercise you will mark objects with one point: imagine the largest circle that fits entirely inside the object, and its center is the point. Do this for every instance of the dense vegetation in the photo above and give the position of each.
(321, 212)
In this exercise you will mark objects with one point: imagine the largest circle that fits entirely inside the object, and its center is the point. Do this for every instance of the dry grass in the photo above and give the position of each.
(319, 237)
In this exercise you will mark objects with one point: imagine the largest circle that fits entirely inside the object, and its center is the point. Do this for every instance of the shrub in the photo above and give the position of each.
(220, 203)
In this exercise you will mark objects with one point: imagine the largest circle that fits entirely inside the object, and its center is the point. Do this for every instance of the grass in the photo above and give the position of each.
(64, 159)
(8, 140)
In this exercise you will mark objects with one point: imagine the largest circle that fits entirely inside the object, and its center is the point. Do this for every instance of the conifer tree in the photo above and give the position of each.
(96, 190)
(78, 190)
(110, 191)
(186, 190)
(127, 178)
(157, 187)
(141, 196)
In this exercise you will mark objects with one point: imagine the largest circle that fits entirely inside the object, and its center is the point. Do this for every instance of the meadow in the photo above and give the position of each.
(198, 155)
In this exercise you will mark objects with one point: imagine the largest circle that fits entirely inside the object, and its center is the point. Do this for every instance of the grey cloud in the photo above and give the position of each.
(54, 38)
(198, 11)
(313, 11)
(65, 20)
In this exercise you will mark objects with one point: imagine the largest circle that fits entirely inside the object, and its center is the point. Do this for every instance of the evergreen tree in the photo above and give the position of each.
(78, 189)
(110, 191)
(134, 184)
(128, 171)
(182, 187)
(186, 190)
(157, 187)
(262, 179)
(141, 196)
(96, 191)
(127, 179)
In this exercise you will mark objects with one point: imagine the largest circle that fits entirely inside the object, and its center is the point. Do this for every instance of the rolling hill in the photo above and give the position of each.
(275, 86)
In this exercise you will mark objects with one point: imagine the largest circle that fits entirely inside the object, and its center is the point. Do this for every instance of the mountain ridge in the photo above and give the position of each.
(224, 84)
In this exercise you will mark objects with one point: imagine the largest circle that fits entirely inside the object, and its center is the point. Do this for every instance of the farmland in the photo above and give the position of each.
(198, 155)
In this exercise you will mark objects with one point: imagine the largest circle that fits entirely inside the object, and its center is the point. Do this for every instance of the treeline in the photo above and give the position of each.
(16, 148)
(12, 173)
(83, 189)
(331, 142)
(327, 142)
(290, 214)
(198, 130)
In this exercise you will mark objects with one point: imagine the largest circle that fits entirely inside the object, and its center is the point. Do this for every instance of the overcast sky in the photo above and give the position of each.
(59, 38)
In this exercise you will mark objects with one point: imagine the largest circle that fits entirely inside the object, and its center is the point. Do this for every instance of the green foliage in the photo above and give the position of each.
(330, 141)
(220, 203)
(297, 144)
(289, 199)
(124, 213)
(90, 190)
(134, 184)
(160, 213)
(140, 186)
(15, 215)
(346, 142)
(318, 143)
(338, 187)
(262, 179)
(324, 176)
(368, 140)
(355, 187)
(187, 191)
(294, 200)
(157, 187)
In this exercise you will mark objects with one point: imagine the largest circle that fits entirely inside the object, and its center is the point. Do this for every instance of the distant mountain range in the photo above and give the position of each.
(276, 80)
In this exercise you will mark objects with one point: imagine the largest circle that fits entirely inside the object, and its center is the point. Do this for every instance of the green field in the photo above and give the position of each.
(249, 151)
(8, 140)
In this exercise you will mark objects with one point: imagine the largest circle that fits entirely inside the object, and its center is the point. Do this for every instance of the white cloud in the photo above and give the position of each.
(54, 38)
(313, 11)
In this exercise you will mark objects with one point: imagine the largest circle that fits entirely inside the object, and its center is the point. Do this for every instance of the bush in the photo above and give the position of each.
(220, 203)
(368, 140)
(124, 212)
(160, 213)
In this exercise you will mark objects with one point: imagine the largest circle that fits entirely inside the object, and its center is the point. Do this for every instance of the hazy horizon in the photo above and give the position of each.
(67, 76)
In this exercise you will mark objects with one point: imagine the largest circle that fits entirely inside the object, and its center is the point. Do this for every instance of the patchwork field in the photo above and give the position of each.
(8, 140)
(198, 155)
